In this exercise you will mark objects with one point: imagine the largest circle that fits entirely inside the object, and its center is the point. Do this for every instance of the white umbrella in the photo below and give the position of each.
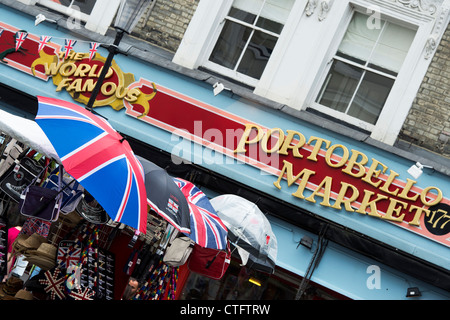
(28, 132)
(249, 230)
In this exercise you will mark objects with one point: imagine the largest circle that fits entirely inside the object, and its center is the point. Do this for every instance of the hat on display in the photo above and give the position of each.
(31, 242)
(91, 210)
(10, 287)
(20, 295)
(44, 257)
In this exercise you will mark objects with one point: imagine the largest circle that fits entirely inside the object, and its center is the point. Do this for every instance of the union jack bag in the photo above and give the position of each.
(68, 254)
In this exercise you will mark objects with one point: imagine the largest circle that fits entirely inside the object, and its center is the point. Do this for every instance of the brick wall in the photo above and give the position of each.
(166, 23)
(428, 123)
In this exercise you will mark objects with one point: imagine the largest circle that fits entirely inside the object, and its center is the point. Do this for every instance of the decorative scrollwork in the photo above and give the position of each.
(427, 6)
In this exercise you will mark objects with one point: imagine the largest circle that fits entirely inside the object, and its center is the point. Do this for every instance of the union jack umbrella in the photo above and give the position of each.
(207, 229)
(20, 39)
(98, 157)
(164, 196)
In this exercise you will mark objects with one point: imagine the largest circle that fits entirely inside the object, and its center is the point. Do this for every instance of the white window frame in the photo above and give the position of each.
(341, 115)
(408, 80)
(98, 21)
(300, 61)
(211, 16)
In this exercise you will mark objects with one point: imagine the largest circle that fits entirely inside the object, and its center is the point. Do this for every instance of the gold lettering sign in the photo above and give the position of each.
(355, 184)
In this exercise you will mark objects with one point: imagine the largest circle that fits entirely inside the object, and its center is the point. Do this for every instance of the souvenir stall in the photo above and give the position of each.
(69, 247)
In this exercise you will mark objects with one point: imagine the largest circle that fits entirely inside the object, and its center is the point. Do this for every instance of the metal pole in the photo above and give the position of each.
(112, 51)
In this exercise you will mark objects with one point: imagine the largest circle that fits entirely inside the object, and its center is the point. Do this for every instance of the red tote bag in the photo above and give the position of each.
(210, 263)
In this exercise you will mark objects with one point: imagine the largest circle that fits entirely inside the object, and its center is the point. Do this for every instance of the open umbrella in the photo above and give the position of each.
(249, 230)
(98, 157)
(164, 196)
(207, 230)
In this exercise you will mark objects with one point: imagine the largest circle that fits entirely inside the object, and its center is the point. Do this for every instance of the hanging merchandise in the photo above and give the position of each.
(178, 252)
(12, 151)
(91, 210)
(19, 176)
(41, 202)
(106, 263)
(72, 191)
(54, 284)
(162, 278)
(3, 247)
(210, 263)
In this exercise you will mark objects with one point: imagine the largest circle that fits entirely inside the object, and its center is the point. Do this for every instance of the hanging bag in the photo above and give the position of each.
(19, 176)
(178, 251)
(40, 202)
(72, 190)
(210, 263)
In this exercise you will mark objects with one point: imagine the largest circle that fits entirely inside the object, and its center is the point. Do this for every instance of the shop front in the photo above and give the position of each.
(349, 221)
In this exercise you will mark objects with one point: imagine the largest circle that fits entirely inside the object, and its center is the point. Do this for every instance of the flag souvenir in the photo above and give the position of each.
(69, 46)
(43, 41)
(69, 253)
(54, 283)
(94, 47)
(20, 39)
(82, 294)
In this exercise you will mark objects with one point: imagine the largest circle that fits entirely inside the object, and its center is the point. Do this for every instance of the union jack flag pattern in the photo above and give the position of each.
(68, 256)
(1, 31)
(54, 283)
(43, 41)
(82, 294)
(69, 45)
(207, 229)
(93, 49)
(20, 39)
(97, 156)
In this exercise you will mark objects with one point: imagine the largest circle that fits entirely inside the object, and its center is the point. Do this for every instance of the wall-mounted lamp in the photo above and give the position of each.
(254, 281)
(307, 242)
(40, 18)
(219, 87)
(413, 292)
(416, 170)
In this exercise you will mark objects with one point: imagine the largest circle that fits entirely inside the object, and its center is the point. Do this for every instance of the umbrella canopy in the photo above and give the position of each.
(207, 230)
(26, 131)
(249, 230)
(164, 196)
(98, 157)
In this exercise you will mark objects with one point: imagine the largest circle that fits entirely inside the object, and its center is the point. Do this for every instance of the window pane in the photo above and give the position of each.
(393, 46)
(84, 6)
(370, 98)
(340, 86)
(276, 11)
(242, 15)
(257, 54)
(359, 40)
(230, 44)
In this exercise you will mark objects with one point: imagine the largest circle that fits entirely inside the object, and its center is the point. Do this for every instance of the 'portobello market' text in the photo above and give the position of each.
(333, 172)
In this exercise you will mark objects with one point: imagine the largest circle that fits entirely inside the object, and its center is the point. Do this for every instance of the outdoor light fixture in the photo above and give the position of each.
(40, 18)
(218, 88)
(416, 170)
(127, 17)
(413, 292)
(254, 281)
(307, 242)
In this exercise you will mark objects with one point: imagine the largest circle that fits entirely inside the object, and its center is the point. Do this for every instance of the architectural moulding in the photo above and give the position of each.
(324, 7)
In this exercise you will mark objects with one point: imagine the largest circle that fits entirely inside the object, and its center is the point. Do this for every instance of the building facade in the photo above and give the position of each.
(314, 110)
